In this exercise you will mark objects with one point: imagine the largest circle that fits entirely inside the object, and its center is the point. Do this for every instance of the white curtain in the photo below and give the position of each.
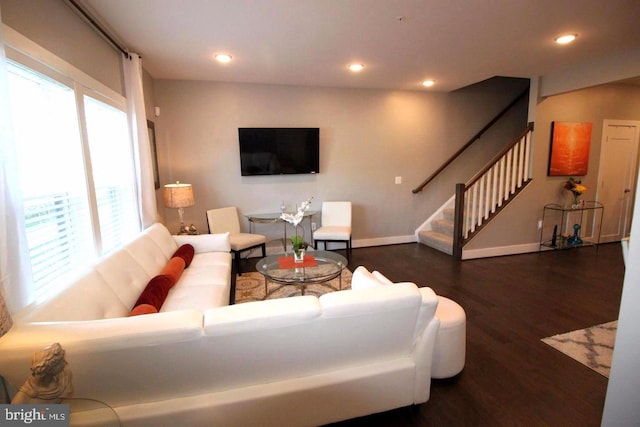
(140, 137)
(15, 268)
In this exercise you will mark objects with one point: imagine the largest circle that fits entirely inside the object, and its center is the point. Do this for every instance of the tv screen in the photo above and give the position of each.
(279, 151)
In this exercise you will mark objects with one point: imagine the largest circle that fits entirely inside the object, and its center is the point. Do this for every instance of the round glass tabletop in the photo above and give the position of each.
(318, 267)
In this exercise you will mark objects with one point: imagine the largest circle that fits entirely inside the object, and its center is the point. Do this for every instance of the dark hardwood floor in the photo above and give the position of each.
(510, 378)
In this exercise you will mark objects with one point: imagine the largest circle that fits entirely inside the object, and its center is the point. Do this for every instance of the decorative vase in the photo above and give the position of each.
(576, 201)
(298, 255)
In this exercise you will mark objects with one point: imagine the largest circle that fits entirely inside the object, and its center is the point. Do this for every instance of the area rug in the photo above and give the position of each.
(593, 347)
(250, 287)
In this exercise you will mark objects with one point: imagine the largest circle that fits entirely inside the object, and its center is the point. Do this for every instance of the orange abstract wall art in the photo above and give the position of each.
(569, 154)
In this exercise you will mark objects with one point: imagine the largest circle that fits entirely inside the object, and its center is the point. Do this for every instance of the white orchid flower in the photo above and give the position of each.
(297, 218)
(291, 218)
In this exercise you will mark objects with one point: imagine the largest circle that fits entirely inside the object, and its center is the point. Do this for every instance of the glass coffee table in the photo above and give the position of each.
(318, 267)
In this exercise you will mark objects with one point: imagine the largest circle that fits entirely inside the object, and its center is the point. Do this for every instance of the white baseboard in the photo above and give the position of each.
(275, 248)
(500, 251)
(381, 241)
(394, 240)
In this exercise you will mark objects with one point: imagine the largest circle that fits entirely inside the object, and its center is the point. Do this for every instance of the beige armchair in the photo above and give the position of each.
(225, 220)
(336, 225)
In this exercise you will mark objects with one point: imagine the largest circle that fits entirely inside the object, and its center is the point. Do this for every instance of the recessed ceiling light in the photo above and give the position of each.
(428, 83)
(356, 67)
(565, 38)
(223, 57)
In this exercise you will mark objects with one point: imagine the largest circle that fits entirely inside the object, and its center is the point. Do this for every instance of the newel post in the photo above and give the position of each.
(458, 222)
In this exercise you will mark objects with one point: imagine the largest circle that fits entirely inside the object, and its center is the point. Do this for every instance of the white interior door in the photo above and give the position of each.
(617, 177)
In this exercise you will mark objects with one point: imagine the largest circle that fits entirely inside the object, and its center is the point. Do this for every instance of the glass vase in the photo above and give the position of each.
(576, 201)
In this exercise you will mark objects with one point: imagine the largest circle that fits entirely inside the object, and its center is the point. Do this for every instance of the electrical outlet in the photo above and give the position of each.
(313, 226)
(539, 224)
(398, 180)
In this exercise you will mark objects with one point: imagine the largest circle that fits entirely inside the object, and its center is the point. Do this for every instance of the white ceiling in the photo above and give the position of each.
(310, 42)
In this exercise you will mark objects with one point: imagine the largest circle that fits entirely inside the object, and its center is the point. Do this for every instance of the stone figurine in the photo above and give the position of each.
(50, 379)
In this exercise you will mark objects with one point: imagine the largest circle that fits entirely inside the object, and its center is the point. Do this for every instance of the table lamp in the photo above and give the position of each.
(179, 196)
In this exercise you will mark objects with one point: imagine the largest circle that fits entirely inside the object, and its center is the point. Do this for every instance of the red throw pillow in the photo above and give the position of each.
(156, 291)
(174, 269)
(185, 252)
(143, 309)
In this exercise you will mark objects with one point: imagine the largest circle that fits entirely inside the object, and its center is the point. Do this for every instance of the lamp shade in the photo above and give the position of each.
(178, 195)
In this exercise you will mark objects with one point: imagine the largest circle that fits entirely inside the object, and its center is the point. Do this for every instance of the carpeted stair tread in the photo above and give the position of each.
(449, 214)
(443, 226)
(436, 240)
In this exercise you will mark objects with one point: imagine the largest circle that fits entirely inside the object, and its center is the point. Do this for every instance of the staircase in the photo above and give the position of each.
(476, 202)
(438, 231)
(482, 198)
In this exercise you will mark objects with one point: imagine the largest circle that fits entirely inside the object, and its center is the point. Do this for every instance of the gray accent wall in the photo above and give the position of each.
(367, 138)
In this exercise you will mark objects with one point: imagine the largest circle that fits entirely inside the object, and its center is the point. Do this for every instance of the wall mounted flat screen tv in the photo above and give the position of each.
(279, 151)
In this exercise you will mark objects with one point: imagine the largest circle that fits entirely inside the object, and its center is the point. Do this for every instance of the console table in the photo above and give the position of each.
(557, 231)
(274, 218)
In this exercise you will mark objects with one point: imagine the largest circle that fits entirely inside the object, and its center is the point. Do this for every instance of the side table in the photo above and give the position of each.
(566, 227)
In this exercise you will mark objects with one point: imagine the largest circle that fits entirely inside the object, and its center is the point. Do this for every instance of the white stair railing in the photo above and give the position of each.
(492, 188)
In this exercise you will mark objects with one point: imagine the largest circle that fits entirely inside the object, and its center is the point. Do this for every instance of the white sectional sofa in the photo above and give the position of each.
(199, 361)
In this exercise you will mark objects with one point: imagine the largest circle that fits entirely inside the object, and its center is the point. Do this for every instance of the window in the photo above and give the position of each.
(75, 165)
(113, 174)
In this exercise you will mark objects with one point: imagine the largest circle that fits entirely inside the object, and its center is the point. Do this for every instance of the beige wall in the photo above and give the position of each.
(149, 100)
(517, 225)
(56, 27)
(367, 138)
(149, 106)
